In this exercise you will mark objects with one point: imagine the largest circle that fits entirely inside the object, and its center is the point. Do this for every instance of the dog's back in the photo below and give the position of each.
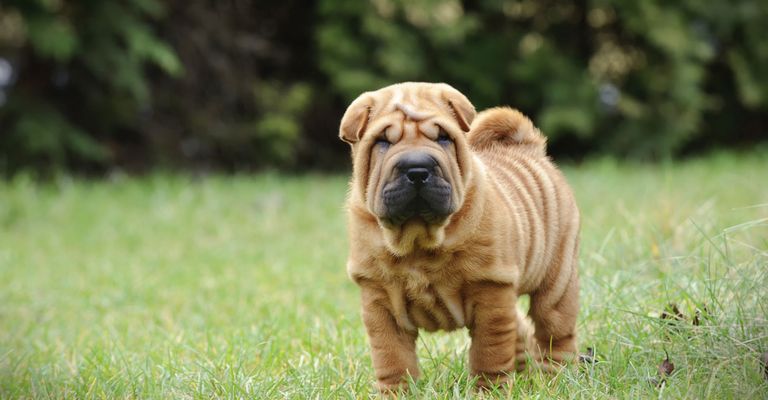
(513, 152)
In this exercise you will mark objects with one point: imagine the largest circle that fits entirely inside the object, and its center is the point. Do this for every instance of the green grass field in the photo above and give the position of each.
(173, 287)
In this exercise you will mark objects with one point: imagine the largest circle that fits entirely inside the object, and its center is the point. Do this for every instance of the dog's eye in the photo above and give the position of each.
(382, 142)
(443, 139)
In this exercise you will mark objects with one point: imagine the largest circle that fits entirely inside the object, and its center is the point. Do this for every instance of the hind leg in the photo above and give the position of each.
(526, 342)
(554, 309)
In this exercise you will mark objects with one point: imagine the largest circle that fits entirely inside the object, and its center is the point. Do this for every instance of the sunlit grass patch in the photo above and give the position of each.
(172, 287)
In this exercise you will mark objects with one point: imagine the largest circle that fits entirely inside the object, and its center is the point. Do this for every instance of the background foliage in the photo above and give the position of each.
(242, 84)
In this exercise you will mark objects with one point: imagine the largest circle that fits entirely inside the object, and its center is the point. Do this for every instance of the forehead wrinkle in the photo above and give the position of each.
(429, 128)
(394, 100)
(412, 113)
(392, 127)
(409, 130)
(408, 103)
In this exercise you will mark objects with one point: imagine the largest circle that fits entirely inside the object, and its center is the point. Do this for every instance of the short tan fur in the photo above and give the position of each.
(513, 230)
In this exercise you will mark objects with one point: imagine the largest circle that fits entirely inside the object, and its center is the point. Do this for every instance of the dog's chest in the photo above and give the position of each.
(423, 298)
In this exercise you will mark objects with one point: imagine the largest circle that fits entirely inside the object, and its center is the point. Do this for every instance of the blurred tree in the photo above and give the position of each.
(249, 84)
(81, 80)
(249, 81)
(628, 78)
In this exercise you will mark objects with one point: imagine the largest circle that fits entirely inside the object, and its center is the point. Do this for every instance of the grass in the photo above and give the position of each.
(172, 287)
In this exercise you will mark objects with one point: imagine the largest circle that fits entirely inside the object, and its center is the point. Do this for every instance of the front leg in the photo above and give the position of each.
(393, 348)
(493, 330)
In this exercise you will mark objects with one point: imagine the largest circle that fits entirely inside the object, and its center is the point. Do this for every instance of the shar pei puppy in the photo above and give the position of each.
(452, 216)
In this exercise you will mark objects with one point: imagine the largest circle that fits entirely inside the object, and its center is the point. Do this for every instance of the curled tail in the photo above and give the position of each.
(504, 126)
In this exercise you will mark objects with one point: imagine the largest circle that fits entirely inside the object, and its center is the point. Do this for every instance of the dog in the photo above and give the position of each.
(452, 216)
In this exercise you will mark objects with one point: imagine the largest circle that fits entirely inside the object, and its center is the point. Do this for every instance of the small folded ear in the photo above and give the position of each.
(355, 119)
(463, 110)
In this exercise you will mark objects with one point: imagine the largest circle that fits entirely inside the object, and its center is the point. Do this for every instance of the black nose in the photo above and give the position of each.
(417, 175)
(417, 167)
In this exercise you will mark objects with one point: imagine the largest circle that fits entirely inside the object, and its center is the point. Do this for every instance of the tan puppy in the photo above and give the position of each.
(450, 221)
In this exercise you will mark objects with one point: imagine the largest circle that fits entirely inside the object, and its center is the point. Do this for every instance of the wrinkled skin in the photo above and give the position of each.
(450, 221)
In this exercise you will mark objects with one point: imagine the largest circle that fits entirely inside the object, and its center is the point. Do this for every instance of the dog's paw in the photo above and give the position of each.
(489, 380)
(553, 363)
(389, 388)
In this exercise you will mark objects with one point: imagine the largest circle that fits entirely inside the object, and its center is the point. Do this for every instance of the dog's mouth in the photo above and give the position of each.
(428, 200)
